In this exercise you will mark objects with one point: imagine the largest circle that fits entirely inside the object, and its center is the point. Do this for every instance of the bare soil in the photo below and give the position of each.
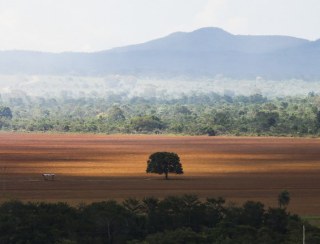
(95, 168)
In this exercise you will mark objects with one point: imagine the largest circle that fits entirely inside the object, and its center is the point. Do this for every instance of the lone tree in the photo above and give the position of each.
(164, 163)
(284, 198)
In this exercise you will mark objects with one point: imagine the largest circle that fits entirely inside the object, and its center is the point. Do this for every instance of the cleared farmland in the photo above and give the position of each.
(95, 167)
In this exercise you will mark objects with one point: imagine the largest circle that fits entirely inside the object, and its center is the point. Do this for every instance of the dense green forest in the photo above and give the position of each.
(197, 114)
(183, 219)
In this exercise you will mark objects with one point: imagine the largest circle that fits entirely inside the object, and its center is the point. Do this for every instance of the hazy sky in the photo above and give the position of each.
(89, 25)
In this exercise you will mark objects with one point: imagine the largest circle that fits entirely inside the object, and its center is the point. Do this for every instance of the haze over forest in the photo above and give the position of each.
(204, 60)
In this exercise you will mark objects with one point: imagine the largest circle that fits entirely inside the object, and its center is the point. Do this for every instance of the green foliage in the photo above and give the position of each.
(103, 221)
(252, 214)
(178, 236)
(265, 120)
(5, 117)
(197, 114)
(36, 222)
(5, 112)
(115, 114)
(284, 198)
(146, 123)
(164, 163)
(215, 211)
(175, 219)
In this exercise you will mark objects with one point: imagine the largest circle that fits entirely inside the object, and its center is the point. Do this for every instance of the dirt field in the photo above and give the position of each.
(94, 168)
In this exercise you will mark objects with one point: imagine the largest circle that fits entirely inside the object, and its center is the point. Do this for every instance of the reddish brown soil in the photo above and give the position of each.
(94, 168)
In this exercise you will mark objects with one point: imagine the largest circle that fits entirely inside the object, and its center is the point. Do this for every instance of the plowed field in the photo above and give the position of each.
(94, 168)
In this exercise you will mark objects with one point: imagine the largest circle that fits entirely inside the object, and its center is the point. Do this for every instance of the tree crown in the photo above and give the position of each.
(164, 163)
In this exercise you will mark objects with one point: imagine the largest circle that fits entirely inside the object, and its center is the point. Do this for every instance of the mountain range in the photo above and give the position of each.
(204, 52)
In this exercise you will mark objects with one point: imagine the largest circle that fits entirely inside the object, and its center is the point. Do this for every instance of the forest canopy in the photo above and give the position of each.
(174, 219)
(194, 114)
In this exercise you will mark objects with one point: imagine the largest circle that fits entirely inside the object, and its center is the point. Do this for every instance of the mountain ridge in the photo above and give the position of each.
(207, 51)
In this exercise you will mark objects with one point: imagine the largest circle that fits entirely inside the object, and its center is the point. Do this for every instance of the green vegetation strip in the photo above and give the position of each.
(199, 114)
(175, 219)
(314, 220)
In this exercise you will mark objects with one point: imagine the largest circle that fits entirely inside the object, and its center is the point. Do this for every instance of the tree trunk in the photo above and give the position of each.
(109, 233)
(166, 173)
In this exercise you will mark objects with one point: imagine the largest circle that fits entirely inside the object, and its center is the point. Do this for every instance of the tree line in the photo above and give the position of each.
(174, 219)
(197, 114)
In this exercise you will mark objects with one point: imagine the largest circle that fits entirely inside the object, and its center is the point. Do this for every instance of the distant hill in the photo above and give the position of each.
(204, 52)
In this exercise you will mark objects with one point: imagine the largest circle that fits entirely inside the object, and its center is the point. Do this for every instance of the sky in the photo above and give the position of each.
(93, 25)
